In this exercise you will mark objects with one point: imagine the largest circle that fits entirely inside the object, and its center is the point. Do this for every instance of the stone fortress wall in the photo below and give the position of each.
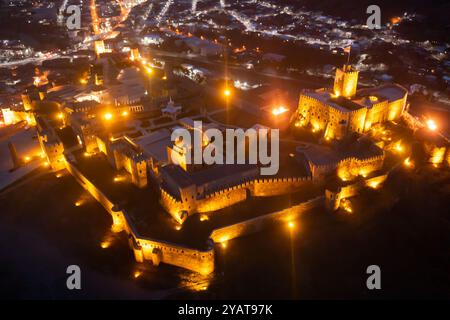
(321, 115)
(347, 168)
(257, 224)
(352, 167)
(229, 196)
(333, 198)
(156, 251)
(51, 145)
(146, 249)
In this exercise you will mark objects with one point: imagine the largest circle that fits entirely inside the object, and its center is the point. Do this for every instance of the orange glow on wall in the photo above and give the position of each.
(279, 110)
(108, 116)
(431, 124)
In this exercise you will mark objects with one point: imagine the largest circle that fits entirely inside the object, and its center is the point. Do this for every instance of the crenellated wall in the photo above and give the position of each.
(173, 206)
(333, 197)
(229, 196)
(202, 261)
(412, 122)
(222, 199)
(352, 167)
(213, 202)
(348, 168)
(117, 215)
(53, 149)
(135, 165)
(356, 120)
(345, 81)
(257, 224)
(158, 251)
(396, 108)
(146, 249)
(276, 186)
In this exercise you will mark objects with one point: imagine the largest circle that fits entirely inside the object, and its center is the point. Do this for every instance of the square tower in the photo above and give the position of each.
(99, 46)
(345, 82)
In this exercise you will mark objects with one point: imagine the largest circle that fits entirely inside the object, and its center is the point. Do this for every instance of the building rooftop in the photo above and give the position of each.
(324, 155)
(64, 92)
(390, 92)
(363, 98)
(326, 98)
(319, 155)
(347, 104)
(85, 105)
(155, 144)
(215, 177)
(129, 148)
(67, 137)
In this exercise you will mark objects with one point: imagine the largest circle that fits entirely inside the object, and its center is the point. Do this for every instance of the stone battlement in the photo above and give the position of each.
(229, 195)
(144, 248)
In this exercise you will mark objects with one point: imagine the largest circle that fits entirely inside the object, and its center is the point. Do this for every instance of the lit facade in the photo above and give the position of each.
(345, 109)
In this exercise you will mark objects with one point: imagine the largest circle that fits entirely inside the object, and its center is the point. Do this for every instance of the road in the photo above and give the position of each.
(219, 67)
(96, 27)
(94, 18)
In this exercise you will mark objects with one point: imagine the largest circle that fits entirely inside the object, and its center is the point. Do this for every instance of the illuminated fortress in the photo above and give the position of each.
(161, 200)
(345, 109)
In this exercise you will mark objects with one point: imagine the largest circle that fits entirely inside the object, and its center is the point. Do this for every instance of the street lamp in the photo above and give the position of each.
(105, 244)
(279, 110)
(408, 163)
(108, 116)
(149, 70)
(431, 125)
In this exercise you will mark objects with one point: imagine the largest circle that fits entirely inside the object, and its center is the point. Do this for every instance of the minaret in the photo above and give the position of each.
(345, 82)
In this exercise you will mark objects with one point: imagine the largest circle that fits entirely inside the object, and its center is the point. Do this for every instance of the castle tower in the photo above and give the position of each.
(345, 82)
(139, 173)
(97, 70)
(134, 54)
(27, 101)
(42, 93)
(99, 46)
(98, 79)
